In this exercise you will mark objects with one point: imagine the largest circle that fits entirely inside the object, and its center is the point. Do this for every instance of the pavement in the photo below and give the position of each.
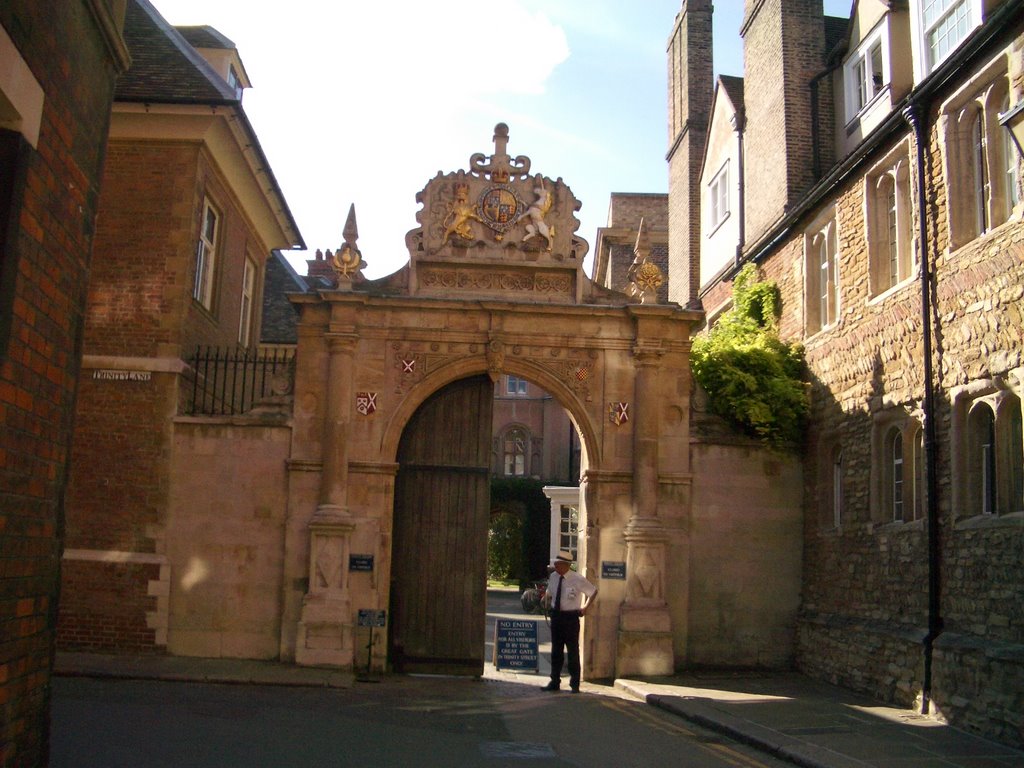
(816, 725)
(785, 714)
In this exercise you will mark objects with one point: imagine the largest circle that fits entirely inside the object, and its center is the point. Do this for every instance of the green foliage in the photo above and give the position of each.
(753, 379)
(524, 497)
(504, 546)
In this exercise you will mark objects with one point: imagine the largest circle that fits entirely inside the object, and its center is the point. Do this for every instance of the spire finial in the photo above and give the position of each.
(644, 276)
(347, 260)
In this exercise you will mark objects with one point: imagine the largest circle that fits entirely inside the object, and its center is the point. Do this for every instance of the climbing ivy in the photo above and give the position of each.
(753, 379)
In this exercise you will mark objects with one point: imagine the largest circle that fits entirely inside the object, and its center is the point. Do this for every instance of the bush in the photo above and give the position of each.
(753, 379)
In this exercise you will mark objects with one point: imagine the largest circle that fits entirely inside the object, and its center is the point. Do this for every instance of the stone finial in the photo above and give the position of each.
(642, 247)
(500, 167)
(351, 232)
(644, 276)
(347, 261)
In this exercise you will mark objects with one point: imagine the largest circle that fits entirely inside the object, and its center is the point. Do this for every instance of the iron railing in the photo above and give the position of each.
(227, 382)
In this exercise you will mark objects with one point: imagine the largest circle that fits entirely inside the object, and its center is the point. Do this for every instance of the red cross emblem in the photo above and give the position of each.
(366, 402)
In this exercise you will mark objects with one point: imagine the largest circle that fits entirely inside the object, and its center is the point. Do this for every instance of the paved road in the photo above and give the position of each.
(402, 721)
(502, 720)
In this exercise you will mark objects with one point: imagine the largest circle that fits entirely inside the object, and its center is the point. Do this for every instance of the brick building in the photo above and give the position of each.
(616, 244)
(188, 215)
(864, 168)
(57, 71)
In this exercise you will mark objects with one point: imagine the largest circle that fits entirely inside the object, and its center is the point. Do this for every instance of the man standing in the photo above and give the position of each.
(566, 590)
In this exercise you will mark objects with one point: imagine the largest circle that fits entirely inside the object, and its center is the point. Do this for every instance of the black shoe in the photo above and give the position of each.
(551, 687)
(574, 688)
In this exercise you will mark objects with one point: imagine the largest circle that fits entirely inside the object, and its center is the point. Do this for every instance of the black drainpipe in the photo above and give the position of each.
(739, 122)
(916, 114)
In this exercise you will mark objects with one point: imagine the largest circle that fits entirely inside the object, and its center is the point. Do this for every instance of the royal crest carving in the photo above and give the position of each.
(497, 210)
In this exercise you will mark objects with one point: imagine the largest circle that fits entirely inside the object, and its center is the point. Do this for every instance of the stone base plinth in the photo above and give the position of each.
(645, 642)
(325, 633)
(644, 653)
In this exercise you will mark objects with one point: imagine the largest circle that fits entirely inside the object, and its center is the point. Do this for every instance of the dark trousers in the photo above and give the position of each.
(565, 640)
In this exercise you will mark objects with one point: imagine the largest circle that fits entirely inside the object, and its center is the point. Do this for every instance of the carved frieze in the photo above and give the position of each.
(491, 280)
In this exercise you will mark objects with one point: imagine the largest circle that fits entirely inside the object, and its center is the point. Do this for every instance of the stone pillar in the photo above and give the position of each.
(334, 481)
(645, 626)
(325, 629)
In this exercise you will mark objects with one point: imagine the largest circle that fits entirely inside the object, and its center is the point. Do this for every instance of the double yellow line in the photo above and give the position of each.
(670, 724)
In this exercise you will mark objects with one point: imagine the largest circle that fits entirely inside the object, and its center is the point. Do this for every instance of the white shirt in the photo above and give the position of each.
(573, 589)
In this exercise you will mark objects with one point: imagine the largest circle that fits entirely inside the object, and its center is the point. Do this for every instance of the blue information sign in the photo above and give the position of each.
(613, 570)
(360, 562)
(515, 644)
(371, 618)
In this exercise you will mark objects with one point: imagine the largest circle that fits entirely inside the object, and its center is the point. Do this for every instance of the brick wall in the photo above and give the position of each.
(690, 90)
(43, 275)
(118, 486)
(140, 296)
(104, 606)
(783, 44)
(144, 233)
(141, 308)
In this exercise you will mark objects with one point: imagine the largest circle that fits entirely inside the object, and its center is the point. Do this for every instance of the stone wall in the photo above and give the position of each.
(746, 559)
(865, 613)
(228, 480)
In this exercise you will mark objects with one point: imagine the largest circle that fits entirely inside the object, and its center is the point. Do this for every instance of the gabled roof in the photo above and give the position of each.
(165, 68)
(733, 87)
(280, 318)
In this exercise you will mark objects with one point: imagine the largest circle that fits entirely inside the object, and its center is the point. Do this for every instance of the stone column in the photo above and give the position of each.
(339, 395)
(645, 627)
(325, 629)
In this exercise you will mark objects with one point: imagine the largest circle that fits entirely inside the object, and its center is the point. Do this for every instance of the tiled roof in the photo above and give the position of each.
(165, 68)
(734, 90)
(280, 319)
(205, 37)
(836, 36)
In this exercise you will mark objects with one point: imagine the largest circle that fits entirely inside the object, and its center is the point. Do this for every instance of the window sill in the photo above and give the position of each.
(894, 289)
(813, 335)
(899, 526)
(855, 122)
(979, 239)
(979, 522)
(715, 226)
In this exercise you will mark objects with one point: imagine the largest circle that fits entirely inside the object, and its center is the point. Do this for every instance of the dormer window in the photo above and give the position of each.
(943, 25)
(235, 82)
(866, 73)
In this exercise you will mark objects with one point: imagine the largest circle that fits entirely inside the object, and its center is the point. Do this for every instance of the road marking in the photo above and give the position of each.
(666, 723)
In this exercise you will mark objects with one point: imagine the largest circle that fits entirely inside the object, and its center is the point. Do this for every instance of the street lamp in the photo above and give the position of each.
(1013, 121)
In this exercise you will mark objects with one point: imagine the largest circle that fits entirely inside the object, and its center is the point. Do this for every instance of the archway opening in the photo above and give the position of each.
(469, 508)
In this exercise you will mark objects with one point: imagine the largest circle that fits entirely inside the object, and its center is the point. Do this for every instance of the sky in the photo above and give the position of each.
(361, 102)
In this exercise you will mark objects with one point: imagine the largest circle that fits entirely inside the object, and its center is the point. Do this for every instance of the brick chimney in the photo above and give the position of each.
(690, 88)
(783, 49)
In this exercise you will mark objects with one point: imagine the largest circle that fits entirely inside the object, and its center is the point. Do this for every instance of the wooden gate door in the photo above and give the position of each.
(439, 545)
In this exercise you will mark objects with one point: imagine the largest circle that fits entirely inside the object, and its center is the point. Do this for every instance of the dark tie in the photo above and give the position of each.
(558, 592)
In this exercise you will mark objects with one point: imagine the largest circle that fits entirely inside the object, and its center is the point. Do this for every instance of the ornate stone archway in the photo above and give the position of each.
(494, 284)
